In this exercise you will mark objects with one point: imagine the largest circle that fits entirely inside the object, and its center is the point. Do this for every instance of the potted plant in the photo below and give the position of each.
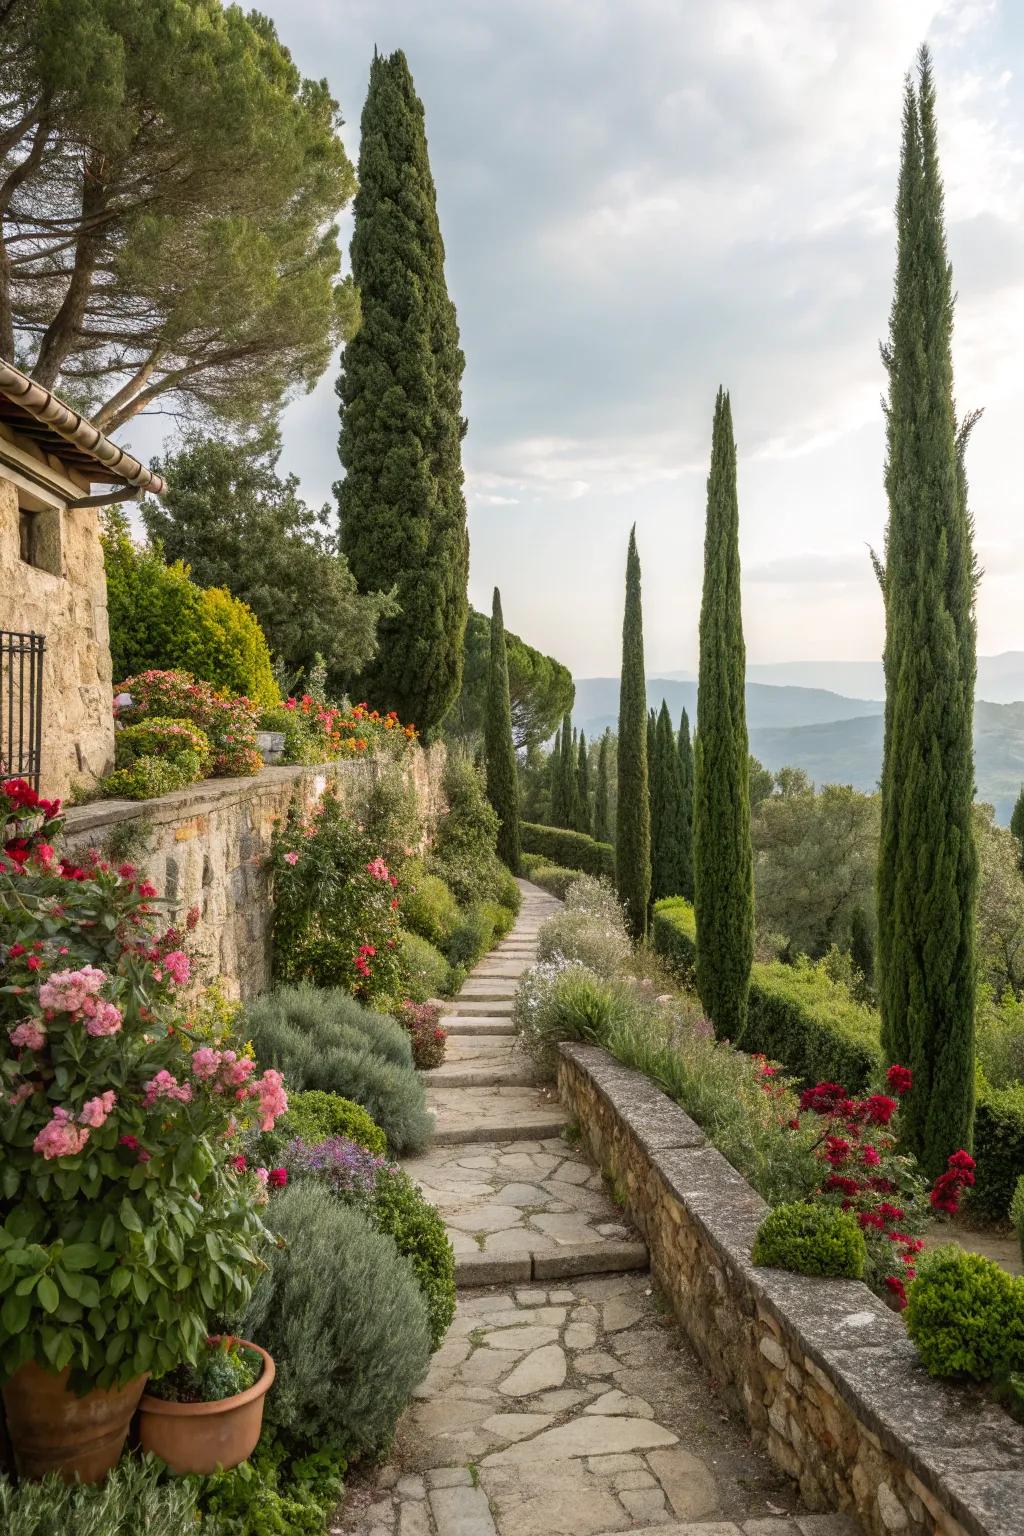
(124, 1226)
(208, 1415)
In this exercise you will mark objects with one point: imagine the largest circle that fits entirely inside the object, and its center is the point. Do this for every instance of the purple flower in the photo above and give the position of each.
(349, 1169)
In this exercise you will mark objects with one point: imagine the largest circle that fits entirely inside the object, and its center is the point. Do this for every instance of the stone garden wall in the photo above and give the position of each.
(822, 1370)
(206, 846)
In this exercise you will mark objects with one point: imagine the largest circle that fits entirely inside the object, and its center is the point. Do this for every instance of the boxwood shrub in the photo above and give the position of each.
(674, 935)
(425, 968)
(400, 1210)
(318, 1116)
(569, 849)
(998, 1148)
(965, 1314)
(796, 1015)
(554, 879)
(811, 1240)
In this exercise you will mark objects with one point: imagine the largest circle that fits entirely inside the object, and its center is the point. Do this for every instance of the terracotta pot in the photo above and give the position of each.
(200, 1437)
(52, 1430)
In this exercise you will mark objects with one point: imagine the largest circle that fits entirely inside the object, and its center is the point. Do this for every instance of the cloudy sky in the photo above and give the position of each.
(643, 198)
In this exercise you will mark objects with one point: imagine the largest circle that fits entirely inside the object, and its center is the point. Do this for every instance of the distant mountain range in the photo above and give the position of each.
(836, 738)
(1000, 678)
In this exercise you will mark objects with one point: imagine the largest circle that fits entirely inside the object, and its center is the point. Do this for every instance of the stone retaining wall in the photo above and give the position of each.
(207, 845)
(822, 1370)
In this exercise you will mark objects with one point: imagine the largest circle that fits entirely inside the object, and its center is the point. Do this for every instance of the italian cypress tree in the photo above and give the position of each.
(862, 948)
(669, 813)
(684, 751)
(652, 744)
(927, 870)
(723, 876)
(557, 811)
(567, 769)
(403, 514)
(1017, 826)
(602, 822)
(633, 821)
(583, 822)
(502, 776)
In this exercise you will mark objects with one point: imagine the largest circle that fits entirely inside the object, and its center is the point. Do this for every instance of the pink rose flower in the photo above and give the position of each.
(29, 1035)
(273, 1099)
(60, 1138)
(205, 1063)
(291, 857)
(178, 966)
(165, 1086)
(94, 1112)
(104, 1019)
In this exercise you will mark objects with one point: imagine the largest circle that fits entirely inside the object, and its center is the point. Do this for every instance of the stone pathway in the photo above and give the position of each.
(564, 1402)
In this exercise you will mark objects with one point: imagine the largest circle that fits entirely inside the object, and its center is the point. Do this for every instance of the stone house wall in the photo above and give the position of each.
(822, 1370)
(206, 846)
(66, 602)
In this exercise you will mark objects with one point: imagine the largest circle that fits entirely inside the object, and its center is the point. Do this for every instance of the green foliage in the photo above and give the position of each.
(277, 1492)
(150, 777)
(862, 944)
(223, 1368)
(343, 1316)
(574, 850)
(561, 1000)
(160, 618)
(553, 878)
(134, 1498)
(1000, 907)
(798, 1015)
(473, 936)
(156, 756)
(465, 836)
(424, 968)
(325, 1040)
(1016, 1212)
(671, 809)
(193, 262)
(403, 514)
(540, 688)
(998, 1148)
(1017, 826)
(811, 1240)
(598, 941)
(499, 750)
(317, 1116)
(229, 516)
(584, 821)
(602, 826)
(965, 1315)
(428, 906)
(722, 857)
(674, 935)
(229, 724)
(684, 750)
(927, 873)
(633, 820)
(419, 1234)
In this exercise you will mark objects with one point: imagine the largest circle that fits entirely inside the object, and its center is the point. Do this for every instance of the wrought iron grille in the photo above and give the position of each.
(21, 705)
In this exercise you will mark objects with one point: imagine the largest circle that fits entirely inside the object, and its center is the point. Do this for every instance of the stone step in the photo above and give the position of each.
(831, 1524)
(477, 1007)
(456, 1025)
(500, 1114)
(571, 1260)
(489, 988)
(458, 1075)
(513, 1129)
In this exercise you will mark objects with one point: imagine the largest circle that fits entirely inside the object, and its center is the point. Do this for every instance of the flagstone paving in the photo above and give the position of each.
(564, 1401)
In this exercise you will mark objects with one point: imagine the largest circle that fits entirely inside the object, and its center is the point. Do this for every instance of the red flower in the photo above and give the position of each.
(278, 1178)
(239, 1164)
(34, 963)
(870, 1157)
(130, 1142)
(899, 1079)
(824, 1098)
(837, 1150)
(898, 1289)
(841, 1184)
(878, 1109)
(15, 950)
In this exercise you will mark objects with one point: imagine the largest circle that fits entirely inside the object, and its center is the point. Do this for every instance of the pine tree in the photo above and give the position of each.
(402, 509)
(583, 819)
(602, 821)
(684, 751)
(557, 808)
(1017, 826)
(502, 773)
(633, 821)
(927, 871)
(722, 856)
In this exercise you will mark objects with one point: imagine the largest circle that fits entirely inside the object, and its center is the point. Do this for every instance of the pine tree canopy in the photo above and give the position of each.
(633, 818)
(403, 514)
(927, 873)
(722, 857)
(502, 775)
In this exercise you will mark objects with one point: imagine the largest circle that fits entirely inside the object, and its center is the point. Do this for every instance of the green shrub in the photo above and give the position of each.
(597, 898)
(424, 967)
(554, 879)
(277, 1492)
(132, 1500)
(571, 850)
(965, 1315)
(999, 1038)
(465, 837)
(596, 942)
(229, 724)
(502, 918)
(998, 1148)
(1017, 1212)
(528, 862)
(304, 740)
(343, 1315)
(149, 777)
(237, 655)
(400, 1210)
(427, 905)
(561, 1000)
(156, 756)
(811, 1240)
(317, 1116)
(473, 936)
(317, 1041)
(505, 891)
(674, 935)
(797, 1015)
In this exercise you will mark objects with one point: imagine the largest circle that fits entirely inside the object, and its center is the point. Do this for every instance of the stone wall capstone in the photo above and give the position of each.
(206, 846)
(822, 1370)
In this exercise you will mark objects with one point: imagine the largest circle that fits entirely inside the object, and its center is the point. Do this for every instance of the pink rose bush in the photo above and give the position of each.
(117, 1130)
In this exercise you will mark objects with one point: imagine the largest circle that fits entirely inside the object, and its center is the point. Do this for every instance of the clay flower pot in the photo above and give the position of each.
(200, 1437)
(52, 1430)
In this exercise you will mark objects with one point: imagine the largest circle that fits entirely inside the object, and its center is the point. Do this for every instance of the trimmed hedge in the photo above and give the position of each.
(553, 878)
(674, 934)
(572, 850)
(797, 1016)
(811, 1240)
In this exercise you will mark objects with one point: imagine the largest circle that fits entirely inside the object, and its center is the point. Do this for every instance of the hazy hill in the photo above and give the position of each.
(597, 703)
(1000, 678)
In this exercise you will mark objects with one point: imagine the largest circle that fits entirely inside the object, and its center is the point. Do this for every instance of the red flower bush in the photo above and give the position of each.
(429, 1039)
(229, 723)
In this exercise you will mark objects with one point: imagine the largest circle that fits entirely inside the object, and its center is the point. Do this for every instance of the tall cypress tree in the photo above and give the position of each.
(669, 813)
(633, 820)
(652, 743)
(927, 870)
(583, 822)
(570, 790)
(684, 752)
(722, 858)
(602, 819)
(403, 514)
(502, 776)
(557, 810)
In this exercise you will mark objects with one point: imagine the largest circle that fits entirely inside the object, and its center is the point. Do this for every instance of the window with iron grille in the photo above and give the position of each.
(21, 705)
